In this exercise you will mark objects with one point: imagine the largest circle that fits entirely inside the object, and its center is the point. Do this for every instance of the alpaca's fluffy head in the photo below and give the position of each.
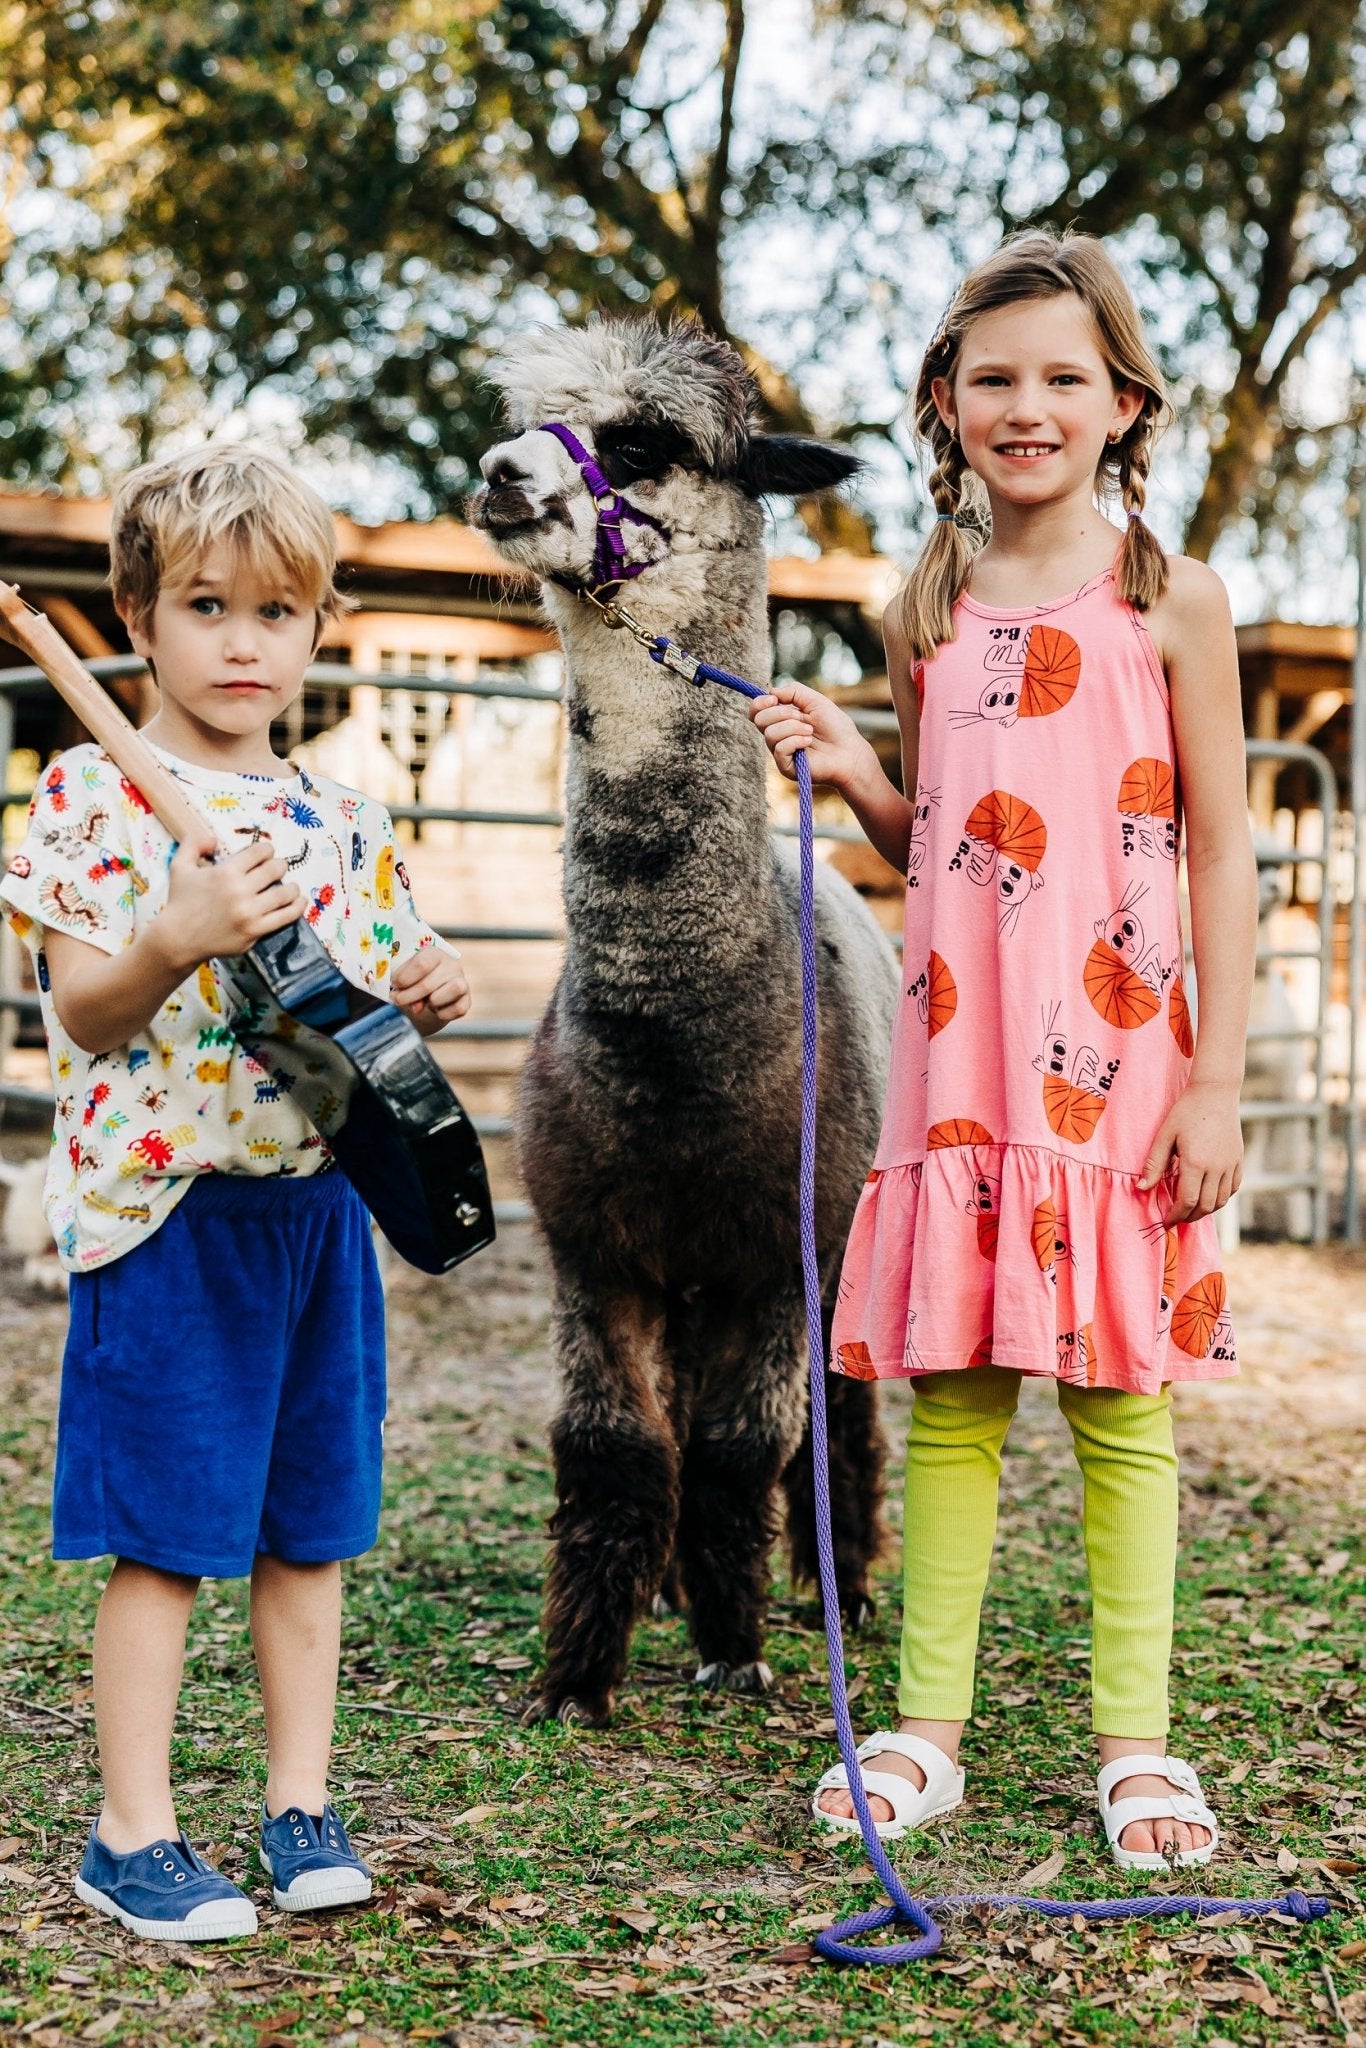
(670, 415)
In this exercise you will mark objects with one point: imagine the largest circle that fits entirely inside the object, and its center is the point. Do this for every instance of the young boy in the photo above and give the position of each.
(223, 1387)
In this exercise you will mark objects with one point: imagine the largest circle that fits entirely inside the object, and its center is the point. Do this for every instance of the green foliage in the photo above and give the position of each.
(351, 202)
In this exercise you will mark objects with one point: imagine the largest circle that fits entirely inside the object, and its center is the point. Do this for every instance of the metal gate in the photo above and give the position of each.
(338, 678)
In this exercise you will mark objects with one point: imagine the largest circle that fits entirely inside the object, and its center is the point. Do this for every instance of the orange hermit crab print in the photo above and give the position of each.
(1147, 809)
(1179, 1018)
(1201, 1324)
(1031, 672)
(1123, 976)
(1075, 1092)
(957, 1130)
(984, 1203)
(1048, 1235)
(935, 994)
(1005, 842)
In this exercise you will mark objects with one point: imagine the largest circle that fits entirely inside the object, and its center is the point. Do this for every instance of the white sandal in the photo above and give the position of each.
(1186, 1803)
(912, 1805)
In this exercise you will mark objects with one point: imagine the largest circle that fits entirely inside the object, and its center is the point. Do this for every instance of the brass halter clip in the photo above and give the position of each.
(616, 616)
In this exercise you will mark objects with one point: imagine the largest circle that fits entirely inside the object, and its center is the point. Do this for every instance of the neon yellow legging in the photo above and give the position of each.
(953, 1463)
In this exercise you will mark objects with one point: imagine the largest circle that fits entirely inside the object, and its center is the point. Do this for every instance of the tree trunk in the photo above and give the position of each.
(1247, 442)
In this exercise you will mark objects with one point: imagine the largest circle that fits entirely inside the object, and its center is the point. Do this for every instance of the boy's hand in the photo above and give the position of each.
(794, 719)
(1204, 1132)
(224, 906)
(431, 989)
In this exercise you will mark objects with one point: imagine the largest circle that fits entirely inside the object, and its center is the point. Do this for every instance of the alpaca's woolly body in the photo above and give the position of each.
(659, 1106)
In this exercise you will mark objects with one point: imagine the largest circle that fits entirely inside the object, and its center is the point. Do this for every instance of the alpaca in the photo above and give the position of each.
(658, 1109)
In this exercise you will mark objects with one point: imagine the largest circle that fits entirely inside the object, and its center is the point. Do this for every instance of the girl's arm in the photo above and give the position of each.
(794, 719)
(1193, 629)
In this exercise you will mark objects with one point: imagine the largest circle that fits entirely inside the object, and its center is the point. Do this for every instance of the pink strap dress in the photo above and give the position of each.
(1043, 1032)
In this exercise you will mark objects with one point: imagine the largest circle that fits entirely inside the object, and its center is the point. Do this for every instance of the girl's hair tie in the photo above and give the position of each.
(954, 516)
(1134, 513)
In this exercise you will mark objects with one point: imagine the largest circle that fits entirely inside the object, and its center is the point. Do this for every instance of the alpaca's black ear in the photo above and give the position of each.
(791, 466)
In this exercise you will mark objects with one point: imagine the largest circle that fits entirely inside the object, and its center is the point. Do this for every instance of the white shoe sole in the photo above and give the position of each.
(887, 1830)
(1153, 1859)
(316, 1890)
(226, 1924)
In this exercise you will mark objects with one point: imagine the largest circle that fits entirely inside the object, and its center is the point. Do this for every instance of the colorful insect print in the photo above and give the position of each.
(323, 899)
(62, 903)
(155, 1150)
(296, 810)
(1032, 671)
(1075, 1090)
(384, 877)
(95, 1098)
(935, 995)
(1004, 843)
(1147, 809)
(94, 863)
(1124, 976)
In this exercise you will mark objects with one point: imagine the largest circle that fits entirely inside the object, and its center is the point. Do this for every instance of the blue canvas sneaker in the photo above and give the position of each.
(310, 1862)
(165, 1892)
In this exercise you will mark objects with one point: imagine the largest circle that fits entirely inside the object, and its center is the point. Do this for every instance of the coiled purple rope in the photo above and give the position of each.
(836, 1943)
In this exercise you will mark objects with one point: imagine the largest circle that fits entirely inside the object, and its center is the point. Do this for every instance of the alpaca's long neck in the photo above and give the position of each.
(668, 879)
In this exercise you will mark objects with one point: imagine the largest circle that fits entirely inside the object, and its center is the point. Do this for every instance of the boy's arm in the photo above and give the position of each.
(431, 988)
(104, 1000)
(427, 981)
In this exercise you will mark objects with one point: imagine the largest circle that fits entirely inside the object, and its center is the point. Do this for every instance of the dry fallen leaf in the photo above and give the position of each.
(1286, 1861)
(103, 2027)
(472, 1816)
(640, 1923)
(1043, 1873)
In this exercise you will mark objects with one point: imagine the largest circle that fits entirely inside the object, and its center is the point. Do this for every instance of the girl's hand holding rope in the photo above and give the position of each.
(793, 720)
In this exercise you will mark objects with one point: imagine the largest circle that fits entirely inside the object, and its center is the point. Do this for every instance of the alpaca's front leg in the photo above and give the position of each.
(745, 1424)
(616, 1479)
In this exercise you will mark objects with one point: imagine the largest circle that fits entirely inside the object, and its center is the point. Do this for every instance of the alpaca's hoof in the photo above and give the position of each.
(569, 1710)
(734, 1677)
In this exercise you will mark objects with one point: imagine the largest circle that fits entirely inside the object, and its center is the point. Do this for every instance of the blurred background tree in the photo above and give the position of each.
(344, 203)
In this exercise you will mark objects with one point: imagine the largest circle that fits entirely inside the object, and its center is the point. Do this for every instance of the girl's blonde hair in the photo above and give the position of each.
(168, 515)
(1034, 265)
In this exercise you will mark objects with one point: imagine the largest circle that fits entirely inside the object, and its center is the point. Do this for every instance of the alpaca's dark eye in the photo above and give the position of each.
(628, 452)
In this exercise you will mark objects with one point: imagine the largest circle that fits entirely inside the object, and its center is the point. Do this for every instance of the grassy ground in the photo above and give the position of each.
(657, 1883)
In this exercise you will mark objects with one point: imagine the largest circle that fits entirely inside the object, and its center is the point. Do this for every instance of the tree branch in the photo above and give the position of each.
(718, 177)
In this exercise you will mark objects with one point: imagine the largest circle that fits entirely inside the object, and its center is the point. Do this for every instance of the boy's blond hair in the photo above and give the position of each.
(168, 515)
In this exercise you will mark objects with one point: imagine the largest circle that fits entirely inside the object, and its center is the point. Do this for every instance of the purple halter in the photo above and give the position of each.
(610, 566)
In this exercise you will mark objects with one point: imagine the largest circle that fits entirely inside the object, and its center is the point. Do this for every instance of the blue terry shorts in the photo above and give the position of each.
(223, 1385)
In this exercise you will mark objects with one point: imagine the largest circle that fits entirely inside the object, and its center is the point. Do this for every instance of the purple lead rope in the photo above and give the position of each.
(835, 1942)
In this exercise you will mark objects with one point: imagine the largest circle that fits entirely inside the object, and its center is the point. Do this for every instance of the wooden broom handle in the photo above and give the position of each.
(37, 637)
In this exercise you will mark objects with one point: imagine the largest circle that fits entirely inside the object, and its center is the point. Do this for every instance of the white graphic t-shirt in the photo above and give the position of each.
(135, 1125)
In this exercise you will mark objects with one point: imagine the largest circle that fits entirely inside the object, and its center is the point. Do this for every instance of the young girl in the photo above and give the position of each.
(1055, 1144)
